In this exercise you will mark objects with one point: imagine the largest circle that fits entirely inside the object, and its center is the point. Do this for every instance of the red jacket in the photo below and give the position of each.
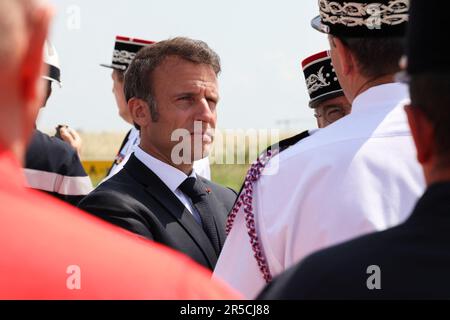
(50, 250)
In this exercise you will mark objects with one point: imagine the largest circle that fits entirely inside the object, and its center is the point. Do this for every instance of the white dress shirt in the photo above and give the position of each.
(126, 151)
(354, 177)
(201, 167)
(171, 176)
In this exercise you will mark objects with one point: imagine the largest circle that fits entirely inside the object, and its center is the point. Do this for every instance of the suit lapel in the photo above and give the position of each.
(161, 193)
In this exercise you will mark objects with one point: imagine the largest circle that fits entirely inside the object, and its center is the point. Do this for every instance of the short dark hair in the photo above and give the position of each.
(431, 93)
(138, 77)
(376, 56)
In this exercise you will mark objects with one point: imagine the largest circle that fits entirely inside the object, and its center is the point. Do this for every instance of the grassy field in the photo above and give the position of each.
(229, 175)
(99, 149)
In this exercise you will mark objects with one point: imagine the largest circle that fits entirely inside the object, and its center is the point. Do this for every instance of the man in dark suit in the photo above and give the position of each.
(172, 92)
(412, 260)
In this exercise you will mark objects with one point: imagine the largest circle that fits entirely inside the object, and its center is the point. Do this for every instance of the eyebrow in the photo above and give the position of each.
(184, 94)
(209, 95)
(334, 105)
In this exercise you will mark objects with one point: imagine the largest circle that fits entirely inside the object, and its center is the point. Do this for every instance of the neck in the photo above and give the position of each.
(437, 173)
(128, 120)
(151, 150)
(15, 146)
(12, 134)
(366, 84)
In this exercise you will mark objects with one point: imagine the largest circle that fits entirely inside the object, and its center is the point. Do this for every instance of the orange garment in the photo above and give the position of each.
(41, 238)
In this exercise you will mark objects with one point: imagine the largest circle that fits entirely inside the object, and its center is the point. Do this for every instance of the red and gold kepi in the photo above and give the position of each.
(321, 79)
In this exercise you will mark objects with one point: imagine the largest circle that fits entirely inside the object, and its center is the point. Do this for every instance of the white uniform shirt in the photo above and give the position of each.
(354, 177)
(201, 167)
(133, 141)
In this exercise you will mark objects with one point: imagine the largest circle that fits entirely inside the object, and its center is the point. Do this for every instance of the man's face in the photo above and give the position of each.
(48, 91)
(332, 110)
(124, 111)
(185, 93)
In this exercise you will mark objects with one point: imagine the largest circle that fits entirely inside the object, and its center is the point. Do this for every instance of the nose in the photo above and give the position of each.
(205, 112)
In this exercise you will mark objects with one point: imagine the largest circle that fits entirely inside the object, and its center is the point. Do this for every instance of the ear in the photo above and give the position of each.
(346, 59)
(423, 134)
(140, 112)
(32, 64)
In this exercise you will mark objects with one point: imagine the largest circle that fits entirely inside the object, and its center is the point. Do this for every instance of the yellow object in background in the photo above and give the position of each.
(96, 169)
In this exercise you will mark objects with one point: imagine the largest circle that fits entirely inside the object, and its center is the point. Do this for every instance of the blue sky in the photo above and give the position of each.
(261, 45)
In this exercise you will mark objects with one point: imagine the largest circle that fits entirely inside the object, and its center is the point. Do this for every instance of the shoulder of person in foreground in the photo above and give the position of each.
(338, 272)
(82, 257)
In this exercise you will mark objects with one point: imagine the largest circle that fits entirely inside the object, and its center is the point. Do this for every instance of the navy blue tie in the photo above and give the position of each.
(196, 191)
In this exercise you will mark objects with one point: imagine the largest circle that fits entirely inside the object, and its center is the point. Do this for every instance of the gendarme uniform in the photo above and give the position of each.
(125, 49)
(356, 176)
(51, 164)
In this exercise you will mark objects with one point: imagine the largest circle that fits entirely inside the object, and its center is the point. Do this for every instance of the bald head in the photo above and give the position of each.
(24, 26)
(15, 16)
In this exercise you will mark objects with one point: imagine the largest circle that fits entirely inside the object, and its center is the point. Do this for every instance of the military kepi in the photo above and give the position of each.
(125, 50)
(321, 80)
(362, 18)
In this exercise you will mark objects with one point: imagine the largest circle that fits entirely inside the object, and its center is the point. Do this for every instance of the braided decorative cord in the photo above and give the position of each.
(246, 199)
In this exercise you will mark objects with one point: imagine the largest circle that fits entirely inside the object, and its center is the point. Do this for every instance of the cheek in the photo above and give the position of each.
(118, 92)
(213, 118)
(168, 123)
(335, 61)
(320, 123)
(348, 110)
(116, 95)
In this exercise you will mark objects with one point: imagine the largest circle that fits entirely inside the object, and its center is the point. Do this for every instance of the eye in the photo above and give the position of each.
(334, 110)
(334, 114)
(186, 99)
(212, 101)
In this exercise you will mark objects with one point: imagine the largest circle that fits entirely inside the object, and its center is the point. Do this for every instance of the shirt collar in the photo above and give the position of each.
(388, 95)
(134, 133)
(171, 176)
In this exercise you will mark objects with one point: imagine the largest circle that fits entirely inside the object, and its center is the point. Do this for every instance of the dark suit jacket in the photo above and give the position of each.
(137, 200)
(414, 261)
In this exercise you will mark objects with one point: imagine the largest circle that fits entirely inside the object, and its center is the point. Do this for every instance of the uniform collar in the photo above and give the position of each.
(434, 202)
(388, 95)
(134, 133)
(171, 176)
